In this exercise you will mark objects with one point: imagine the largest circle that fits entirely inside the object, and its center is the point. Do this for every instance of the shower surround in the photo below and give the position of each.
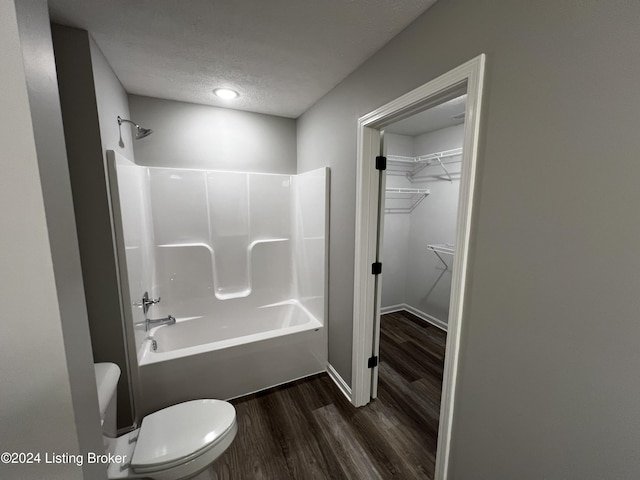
(239, 259)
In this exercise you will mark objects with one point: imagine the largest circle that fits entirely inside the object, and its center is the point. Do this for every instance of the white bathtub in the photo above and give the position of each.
(229, 356)
(194, 335)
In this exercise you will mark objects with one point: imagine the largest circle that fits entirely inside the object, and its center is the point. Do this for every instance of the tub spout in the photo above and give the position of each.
(170, 320)
(154, 322)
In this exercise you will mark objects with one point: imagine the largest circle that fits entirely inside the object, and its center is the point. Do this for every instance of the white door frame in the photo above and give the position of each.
(365, 310)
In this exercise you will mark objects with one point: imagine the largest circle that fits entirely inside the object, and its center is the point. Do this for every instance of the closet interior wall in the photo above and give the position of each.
(414, 277)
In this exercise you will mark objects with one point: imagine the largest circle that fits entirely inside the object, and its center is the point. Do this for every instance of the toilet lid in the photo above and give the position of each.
(181, 431)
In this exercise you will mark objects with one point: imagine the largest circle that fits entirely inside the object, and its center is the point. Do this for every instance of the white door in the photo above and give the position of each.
(382, 180)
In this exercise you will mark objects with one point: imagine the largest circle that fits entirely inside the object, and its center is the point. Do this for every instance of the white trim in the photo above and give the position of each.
(436, 322)
(339, 381)
(365, 309)
(392, 308)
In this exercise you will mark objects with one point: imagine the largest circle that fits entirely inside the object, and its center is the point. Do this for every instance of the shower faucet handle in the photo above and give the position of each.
(150, 301)
(146, 302)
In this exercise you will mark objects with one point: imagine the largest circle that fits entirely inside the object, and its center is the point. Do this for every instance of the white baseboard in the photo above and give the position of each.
(393, 308)
(339, 381)
(436, 322)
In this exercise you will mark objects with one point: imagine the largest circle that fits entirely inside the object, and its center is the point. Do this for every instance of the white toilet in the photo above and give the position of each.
(174, 443)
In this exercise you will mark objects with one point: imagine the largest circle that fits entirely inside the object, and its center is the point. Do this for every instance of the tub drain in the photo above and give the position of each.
(154, 345)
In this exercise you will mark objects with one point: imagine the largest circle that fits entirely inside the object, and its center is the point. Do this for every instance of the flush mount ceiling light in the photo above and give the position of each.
(226, 93)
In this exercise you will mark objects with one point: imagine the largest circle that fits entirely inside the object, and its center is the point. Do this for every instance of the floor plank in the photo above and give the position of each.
(309, 430)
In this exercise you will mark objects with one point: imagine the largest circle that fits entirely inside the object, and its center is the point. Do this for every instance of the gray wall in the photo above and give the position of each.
(200, 136)
(91, 99)
(112, 101)
(40, 69)
(395, 257)
(36, 401)
(549, 352)
(396, 144)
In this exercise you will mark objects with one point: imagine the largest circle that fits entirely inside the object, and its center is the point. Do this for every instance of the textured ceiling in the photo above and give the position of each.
(446, 114)
(281, 55)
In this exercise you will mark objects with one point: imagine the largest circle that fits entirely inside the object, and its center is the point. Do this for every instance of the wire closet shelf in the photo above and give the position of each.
(412, 166)
(403, 200)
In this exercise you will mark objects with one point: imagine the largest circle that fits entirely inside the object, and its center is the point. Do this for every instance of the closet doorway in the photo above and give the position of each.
(424, 159)
(414, 212)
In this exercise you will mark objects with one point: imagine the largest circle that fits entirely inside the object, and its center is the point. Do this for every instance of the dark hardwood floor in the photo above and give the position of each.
(308, 429)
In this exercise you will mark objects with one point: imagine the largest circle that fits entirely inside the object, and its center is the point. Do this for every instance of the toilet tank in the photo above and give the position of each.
(107, 376)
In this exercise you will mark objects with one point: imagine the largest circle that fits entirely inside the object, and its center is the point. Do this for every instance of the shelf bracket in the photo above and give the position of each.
(445, 169)
(443, 262)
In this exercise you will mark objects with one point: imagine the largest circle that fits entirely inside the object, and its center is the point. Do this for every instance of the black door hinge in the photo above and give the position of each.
(376, 268)
(381, 163)
(372, 362)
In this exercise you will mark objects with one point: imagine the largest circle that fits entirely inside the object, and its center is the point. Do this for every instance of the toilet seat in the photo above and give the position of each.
(178, 434)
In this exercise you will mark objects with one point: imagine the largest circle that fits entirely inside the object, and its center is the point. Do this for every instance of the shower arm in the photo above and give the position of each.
(120, 120)
(140, 131)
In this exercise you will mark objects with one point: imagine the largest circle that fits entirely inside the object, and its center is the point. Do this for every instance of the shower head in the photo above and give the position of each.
(140, 131)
